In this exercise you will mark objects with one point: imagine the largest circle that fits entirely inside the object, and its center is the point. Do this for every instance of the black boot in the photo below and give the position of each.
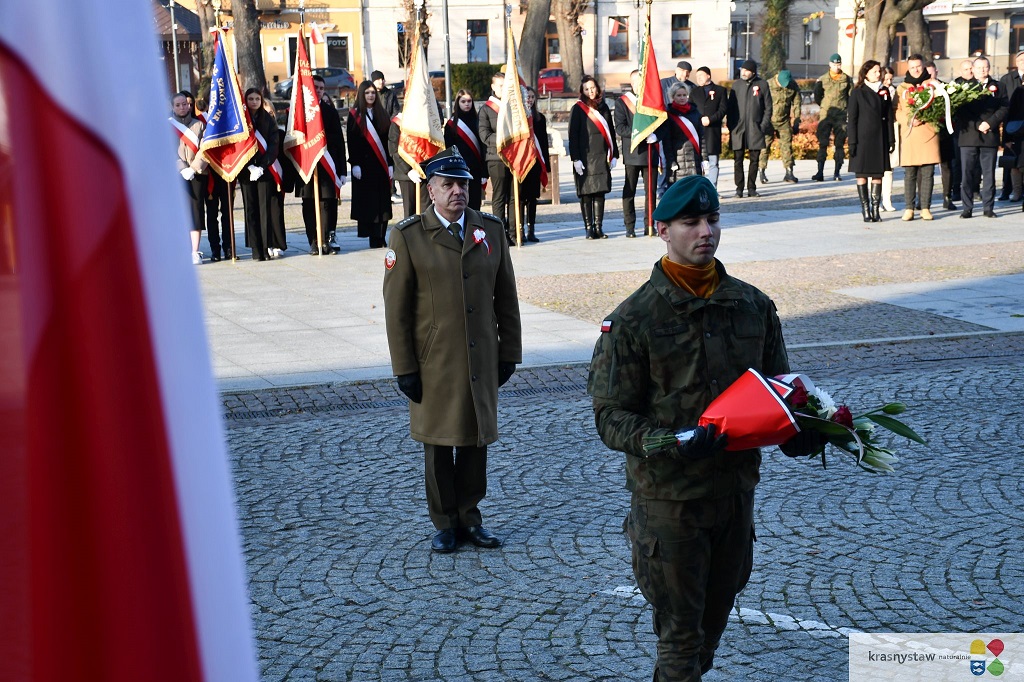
(763, 177)
(631, 232)
(865, 203)
(836, 176)
(876, 201)
(820, 175)
(789, 176)
(598, 216)
(947, 203)
(530, 236)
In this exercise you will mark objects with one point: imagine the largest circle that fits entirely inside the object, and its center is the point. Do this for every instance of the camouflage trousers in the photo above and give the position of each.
(784, 131)
(826, 128)
(690, 560)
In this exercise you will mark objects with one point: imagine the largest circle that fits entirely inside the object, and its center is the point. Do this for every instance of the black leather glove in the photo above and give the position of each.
(804, 444)
(701, 444)
(796, 128)
(412, 386)
(505, 372)
(853, 150)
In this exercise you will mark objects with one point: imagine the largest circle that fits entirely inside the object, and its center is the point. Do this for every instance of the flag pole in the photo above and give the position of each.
(519, 231)
(319, 220)
(231, 218)
(419, 198)
(648, 208)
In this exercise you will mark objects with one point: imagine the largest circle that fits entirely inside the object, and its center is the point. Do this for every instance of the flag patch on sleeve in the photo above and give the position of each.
(390, 259)
(606, 326)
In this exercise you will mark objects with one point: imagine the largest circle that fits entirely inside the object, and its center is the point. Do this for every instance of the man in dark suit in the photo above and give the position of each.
(749, 118)
(1012, 184)
(682, 75)
(711, 101)
(335, 153)
(978, 125)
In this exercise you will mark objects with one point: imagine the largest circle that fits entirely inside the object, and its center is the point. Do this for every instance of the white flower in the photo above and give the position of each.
(951, 88)
(827, 403)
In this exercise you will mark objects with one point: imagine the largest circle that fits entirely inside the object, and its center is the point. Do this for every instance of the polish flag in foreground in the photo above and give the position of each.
(119, 547)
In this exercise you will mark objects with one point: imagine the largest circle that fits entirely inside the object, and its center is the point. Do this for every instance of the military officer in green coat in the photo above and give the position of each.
(785, 120)
(454, 333)
(663, 355)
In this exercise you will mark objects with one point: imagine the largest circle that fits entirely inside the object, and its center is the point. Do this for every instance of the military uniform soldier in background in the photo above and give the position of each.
(832, 94)
(786, 121)
(663, 355)
(454, 333)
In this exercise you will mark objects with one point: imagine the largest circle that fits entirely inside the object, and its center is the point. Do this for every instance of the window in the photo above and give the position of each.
(738, 42)
(293, 48)
(976, 37)
(618, 39)
(937, 33)
(901, 44)
(1016, 33)
(404, 45)
(680, 35)
(337, 51)
(808, 42)
(476, 41)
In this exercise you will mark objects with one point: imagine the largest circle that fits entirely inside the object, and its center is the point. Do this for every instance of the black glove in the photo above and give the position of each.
(804, 444)
(505, 372)
(412, 386)
(853, 150)
(796, 128)
(701, 444)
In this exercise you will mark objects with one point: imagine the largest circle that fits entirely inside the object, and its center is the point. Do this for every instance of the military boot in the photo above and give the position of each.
(789, 176)
(820, 175)
(530, 236)
(836, 176)
(763, 177)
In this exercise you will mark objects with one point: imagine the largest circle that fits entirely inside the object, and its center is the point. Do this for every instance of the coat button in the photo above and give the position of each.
(465, 275)
(707, 335)
(469, 309)
(474, 377)
(472, 344)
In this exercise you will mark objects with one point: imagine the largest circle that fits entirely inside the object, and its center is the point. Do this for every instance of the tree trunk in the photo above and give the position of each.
(570, 39)
(917, 33)
(773, 39)
(207, 20)
(247, 44)
(531, 44)
(880, 20)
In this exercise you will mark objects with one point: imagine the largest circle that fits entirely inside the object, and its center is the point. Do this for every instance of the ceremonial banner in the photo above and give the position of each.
(304, 138)
(120, 555)
(515, 136)
(228, 142)
(422, 134)
(650, 103)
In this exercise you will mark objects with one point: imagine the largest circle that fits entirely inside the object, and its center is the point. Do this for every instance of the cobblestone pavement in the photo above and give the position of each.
(344, 586)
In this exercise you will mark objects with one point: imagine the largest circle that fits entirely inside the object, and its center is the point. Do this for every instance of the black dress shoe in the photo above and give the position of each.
(966, 214)
(948, 204)
(739, 194)
(444, 541)
(481, 537)
(990, 214)
(752, 193)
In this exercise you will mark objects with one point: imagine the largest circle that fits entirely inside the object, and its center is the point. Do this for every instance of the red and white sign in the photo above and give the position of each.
(121, 551)
(851, 30)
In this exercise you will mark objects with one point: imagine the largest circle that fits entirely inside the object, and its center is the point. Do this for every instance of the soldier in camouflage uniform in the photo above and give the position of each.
(663, 355)
(832, 94)
(785, 120)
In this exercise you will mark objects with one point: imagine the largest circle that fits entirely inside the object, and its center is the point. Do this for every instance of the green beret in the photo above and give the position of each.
(785, 78)
(836, 58)
(690, 196)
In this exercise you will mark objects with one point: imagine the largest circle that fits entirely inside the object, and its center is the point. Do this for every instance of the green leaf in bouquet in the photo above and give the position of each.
(894, 408)
(897, 427)
(822, 426)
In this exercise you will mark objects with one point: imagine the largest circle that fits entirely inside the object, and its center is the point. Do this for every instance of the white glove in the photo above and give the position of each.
(705, 166)
(705, 121)
(652, 138)
(415, 176)
(391, 172)
(578, 166)
(342, 179)
(255, 173)
(483, 182)
(611, 166)
(357, 172)
(187, 173)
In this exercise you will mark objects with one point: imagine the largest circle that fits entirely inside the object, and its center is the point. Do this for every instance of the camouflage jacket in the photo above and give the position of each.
(785, 102)
(662, 357)
(833, 96)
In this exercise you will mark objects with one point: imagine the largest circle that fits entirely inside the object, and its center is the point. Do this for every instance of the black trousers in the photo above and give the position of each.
(501, 190)
(629, 188)
(408, 190)
(737, 168)
(328, 218)
(256, 198)
(456, 481)
(975, 162)
(195, 189)
(217, 213)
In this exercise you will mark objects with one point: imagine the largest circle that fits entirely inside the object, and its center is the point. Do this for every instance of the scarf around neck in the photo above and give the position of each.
(701, 281)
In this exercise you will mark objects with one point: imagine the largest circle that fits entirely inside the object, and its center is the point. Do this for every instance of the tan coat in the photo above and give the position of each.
(921, 146)
(452, 315)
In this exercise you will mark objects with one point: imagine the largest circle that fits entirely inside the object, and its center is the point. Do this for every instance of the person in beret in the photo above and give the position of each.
(681, 75)
(749, 117)
(832, 95)
(454, 333)
(663, 355)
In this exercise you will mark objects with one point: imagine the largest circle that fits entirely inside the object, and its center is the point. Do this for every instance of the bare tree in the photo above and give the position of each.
(917, 33)
(207, 20)
(880, 20)
(247, 44)
(570, 38)
(774, 36)
(531, 45)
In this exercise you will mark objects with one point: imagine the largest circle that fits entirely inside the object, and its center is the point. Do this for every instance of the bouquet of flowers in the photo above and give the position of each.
(936, 103)
(758, 411)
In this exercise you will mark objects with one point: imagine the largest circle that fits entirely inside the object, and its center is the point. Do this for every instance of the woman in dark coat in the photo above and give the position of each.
(259, 188)
(372, 166)
(593, 151)
(684, 150)
(870, 135)
(462, 131)
(1016, 113)
(529, 190)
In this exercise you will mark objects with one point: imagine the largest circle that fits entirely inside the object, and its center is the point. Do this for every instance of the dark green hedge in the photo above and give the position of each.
(474, 77)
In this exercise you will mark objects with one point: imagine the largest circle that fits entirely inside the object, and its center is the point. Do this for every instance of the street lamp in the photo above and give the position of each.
(174, 49)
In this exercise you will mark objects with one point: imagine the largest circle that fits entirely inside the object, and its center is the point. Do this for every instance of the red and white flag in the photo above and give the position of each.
(120, 555)
(422, 133)
(315, 34)
(515, 143)
(304, 138)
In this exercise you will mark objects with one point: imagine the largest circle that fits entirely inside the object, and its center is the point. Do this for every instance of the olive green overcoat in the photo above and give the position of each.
(452, 315)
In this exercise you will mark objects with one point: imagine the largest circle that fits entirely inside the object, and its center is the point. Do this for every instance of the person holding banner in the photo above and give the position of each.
(372, 167)
(500, 176)
(529, 188)
(191, 166)
(663, 355)
(257, 182)
(594, 152)
(685, 152)
(636, 162)
(462, 130)
(409, 181)
(332, 171)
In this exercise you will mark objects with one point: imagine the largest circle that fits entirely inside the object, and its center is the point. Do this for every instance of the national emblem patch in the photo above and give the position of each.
(606, 326)
(390, 258)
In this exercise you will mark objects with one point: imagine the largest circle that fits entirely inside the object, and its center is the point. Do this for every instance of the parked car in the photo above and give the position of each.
(336, 79)
(550, 80)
